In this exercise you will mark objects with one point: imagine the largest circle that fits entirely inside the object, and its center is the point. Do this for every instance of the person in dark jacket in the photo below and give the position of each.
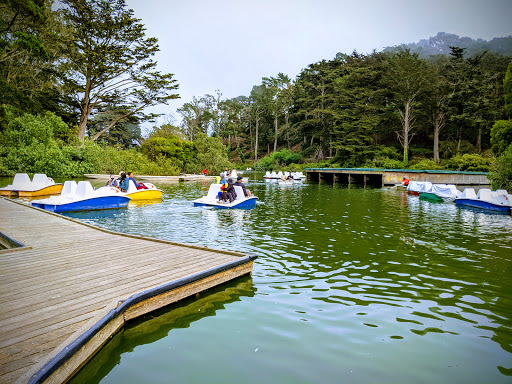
(123, 182)
(228, 192)
(239, 183)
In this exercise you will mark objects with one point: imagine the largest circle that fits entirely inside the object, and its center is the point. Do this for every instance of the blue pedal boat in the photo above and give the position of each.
(82, 197)
(500, 200)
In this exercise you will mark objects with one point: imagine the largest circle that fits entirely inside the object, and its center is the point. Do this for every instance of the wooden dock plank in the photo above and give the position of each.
(69, 276)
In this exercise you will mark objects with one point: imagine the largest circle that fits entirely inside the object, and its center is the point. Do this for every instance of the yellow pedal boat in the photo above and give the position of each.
(151, 193)
(22, 186)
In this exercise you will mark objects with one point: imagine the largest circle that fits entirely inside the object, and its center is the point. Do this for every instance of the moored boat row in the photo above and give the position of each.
(297, 177)
(486, 199)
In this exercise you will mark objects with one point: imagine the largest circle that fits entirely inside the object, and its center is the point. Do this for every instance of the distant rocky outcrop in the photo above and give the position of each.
(440, 44)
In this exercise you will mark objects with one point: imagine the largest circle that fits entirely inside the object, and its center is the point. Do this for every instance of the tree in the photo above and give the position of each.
(507, 85)
(436, 101)
(109, 61)
(279, 99)
(211, 154)
(31, 38)
(199, 115)
(125, 133)
(407, 78)
(258, 101)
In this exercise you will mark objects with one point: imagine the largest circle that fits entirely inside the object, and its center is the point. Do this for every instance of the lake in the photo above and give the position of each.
(350, 285)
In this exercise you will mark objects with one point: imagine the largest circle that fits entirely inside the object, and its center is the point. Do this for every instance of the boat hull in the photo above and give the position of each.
(54, 189)
(430, 197)
(482, 205)
(247, 203)
(92, 204)
(145, 194)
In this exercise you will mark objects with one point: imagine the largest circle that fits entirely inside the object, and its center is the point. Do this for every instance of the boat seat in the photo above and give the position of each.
(84, 190)
(131, 187)
(484, 194)
(69, 188)
(213, 191)
(239, 193)
(469, 193)
(40, 180)
(501, 192)
(21, 179)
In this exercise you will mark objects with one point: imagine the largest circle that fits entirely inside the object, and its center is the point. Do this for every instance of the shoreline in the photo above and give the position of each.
(172, 179)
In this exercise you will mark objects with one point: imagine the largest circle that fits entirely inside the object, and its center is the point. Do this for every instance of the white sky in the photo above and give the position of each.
(231, 44)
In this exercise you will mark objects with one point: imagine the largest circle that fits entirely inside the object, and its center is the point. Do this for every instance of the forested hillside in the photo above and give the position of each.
(76, 81)
(441, 43)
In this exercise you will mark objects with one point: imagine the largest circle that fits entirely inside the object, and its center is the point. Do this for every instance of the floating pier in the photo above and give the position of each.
(382, 177)
(66, 287)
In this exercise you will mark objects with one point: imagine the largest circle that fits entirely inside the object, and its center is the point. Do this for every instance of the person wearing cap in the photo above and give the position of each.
(405, 181)
(239, 183)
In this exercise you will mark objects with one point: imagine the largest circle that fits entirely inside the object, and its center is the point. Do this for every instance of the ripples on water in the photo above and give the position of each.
(351, 285)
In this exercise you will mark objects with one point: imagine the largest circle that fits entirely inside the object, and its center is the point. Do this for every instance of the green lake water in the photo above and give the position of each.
(350, 286)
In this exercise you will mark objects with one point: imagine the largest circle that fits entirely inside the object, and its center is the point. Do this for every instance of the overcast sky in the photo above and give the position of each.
(230, 45)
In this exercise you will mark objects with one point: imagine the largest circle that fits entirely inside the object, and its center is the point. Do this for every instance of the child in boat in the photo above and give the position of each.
(228, 193)
(239, 183)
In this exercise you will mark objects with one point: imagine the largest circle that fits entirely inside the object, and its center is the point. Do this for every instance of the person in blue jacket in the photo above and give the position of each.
(123, 182)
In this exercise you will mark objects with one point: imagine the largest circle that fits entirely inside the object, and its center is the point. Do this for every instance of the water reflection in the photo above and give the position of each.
(155, 326)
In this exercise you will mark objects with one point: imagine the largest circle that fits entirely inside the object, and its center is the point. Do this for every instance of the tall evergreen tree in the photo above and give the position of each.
(407, 79)
(109, 61)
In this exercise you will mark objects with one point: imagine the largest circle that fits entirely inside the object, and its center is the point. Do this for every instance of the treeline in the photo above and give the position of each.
(390, 110)
(76, 78)
(358, 109)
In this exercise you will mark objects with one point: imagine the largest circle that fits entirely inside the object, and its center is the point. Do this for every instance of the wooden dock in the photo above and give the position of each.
(382, 177)
(71, 286)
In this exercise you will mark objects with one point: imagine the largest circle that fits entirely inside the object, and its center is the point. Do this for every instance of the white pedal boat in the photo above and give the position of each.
(211, 199)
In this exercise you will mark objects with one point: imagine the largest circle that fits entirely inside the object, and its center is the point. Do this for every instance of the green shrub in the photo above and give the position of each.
(426, 164)
(501, 136)
(279, 159)
(471, 163)
(501, 174)
(392, 164)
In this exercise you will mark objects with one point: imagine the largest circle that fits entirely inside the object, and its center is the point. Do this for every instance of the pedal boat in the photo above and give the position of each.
(22, 186)
(415, 187)
(441, 193)
(82, 197)
(486, 199)
(240, 202)
(152, 193)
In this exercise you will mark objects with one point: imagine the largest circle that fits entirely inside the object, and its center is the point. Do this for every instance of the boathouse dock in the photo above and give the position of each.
(66, 287)
(381, 177)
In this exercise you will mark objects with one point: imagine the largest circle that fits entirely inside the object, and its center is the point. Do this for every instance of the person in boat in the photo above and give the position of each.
(239, 183)
(223, 185)
(289, 177)
(112, 182)
(137, 185)
(228, 193)
(123, 182)
(205, 172)
(405, 181)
